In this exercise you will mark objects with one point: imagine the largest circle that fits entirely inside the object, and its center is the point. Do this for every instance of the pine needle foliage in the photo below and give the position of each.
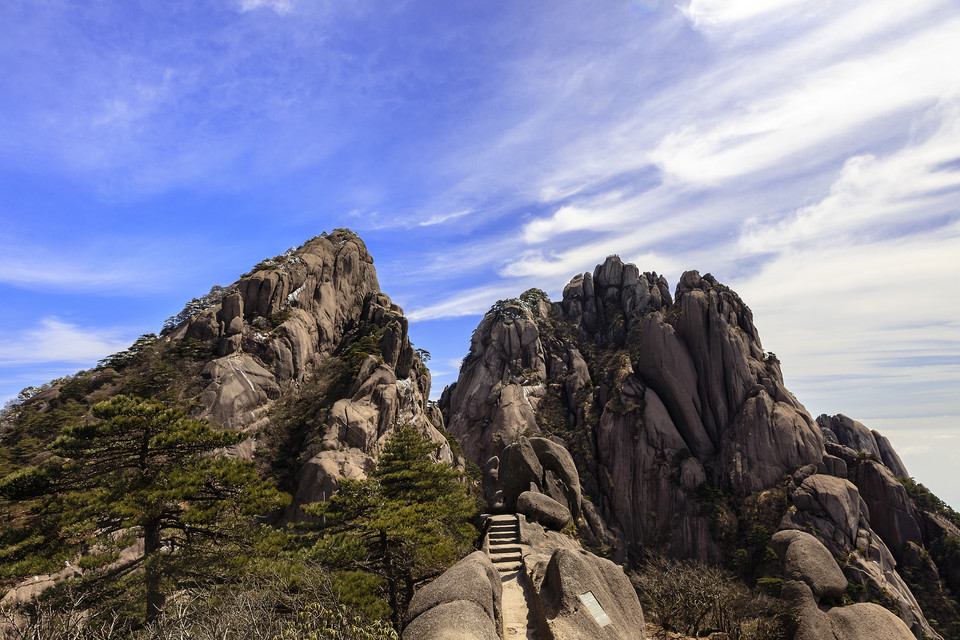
(406, 523)
(135, 496)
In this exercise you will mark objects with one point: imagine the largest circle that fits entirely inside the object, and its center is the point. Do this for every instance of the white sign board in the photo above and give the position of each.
(590, 602)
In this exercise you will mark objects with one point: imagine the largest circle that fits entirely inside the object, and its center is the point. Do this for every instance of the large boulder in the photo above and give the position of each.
(837, 504)
(579, 596)
(467, 597)
(806, 559)
(892, 514)
(519, 470)
(543, 509)
(539, 465)
(561, 480)
(457, 620)
(812, 574)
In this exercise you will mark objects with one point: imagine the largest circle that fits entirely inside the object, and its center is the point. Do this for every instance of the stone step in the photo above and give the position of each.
(501, 538)
(504, 549)
(502, 544)
(509, 567)
(502, 530)
(513, 557)
(504, 527)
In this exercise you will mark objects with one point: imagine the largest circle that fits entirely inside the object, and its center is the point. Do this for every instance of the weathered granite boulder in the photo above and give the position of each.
(864, 621)
(238, 387)
(544, 467)
(835, 499)
(319, 476)
(831, 465)
(457, 620)
(543, 509)
(806, 559)
(561, 480)
(811, 575)
(846, 431)
(567, 585)
(473, 580)
(867, 621)
(519, 470)
(892, 514)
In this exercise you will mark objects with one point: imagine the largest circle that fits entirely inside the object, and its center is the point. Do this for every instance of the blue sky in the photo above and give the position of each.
(807, 153)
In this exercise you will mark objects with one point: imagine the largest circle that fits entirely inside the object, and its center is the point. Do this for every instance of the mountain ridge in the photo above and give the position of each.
(662, 422)
(684, 434)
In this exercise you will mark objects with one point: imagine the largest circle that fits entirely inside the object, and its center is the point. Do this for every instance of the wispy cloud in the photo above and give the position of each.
(817, 109)
(53, 340)
(876, 197)
(469, 302)
(122, 265)
(280, 6)
(443, 218)
(840, 313)
(707, 14)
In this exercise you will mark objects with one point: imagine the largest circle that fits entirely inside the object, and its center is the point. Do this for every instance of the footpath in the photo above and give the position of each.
(503, 538)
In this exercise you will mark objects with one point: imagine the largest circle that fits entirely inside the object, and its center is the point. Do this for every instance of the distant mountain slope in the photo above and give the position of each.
(304, 352)
(686, 439)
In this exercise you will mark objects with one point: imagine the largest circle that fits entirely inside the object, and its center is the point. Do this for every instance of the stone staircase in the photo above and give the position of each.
(503, 543)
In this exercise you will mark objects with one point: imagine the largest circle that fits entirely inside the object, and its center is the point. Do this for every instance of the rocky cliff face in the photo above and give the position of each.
(275, 329)
(683, 434)
(655, 398)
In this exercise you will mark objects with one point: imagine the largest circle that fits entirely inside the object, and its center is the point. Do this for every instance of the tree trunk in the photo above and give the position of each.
(151, 569)
(388, 571)
(408, 589)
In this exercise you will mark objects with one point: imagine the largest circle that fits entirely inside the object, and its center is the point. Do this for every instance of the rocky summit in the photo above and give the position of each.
(271, 329)
(618, 425)
(686, 441)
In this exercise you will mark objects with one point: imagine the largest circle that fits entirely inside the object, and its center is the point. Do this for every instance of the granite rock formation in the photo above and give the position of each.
(654, 397)
(463, 603)
(682, 432)
(812, 576)
(275, 326)
(304, 353)
(648, 420)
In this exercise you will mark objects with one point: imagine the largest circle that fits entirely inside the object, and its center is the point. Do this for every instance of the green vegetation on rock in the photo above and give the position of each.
(139, 470)
(406, 523)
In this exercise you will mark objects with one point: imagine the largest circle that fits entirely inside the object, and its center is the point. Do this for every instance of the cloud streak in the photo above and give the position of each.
(54, 340)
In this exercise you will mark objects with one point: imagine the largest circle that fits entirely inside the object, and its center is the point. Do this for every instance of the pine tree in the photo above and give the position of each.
(139, 471)
(406, 523)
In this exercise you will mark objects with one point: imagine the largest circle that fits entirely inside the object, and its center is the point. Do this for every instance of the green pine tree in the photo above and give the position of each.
(406, 523)
(139, 472)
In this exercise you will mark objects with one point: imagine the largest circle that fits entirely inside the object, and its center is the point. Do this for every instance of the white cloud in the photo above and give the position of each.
(56, 341)
(465, 303)
(916, 185)
(815, 111)
(280, 6)
(109, 265)
(706, 14)
(440, 218)
(861, 322)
